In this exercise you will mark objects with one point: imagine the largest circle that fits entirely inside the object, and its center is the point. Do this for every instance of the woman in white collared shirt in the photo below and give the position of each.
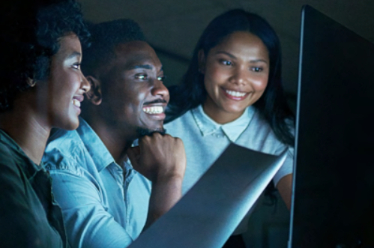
(232, 92)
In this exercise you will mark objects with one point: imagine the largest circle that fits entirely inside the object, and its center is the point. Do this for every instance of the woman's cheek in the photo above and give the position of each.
(216, 75)
(261, 83)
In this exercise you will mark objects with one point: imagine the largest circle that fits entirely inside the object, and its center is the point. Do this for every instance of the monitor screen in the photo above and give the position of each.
(333, 196)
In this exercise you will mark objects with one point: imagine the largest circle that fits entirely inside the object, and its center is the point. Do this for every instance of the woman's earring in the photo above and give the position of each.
(31, 82)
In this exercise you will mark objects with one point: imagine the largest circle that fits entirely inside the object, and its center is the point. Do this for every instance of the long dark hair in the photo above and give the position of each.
(272, 105)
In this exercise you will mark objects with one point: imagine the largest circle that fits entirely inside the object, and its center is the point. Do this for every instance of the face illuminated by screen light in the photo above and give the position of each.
(236, 74)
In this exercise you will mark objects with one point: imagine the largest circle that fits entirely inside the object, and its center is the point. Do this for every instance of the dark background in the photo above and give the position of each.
(173, 28)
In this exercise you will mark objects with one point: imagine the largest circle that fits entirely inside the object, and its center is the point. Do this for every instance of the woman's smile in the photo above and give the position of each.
(236, 73)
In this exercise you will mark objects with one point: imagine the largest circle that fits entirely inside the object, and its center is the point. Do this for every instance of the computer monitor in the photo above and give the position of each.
(333, 190)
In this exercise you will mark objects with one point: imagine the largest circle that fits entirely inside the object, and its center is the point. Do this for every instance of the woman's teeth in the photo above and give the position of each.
(235, 93)
(76, 102)
(153, 110)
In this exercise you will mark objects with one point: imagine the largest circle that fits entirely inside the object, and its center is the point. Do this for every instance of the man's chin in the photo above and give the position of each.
(146, 131)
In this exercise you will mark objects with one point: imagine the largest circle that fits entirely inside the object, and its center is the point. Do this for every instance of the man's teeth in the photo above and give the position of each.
(76, 102)
(235, 93)
(153, 110)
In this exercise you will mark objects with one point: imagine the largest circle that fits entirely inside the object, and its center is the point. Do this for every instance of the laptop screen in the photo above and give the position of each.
(333, 200)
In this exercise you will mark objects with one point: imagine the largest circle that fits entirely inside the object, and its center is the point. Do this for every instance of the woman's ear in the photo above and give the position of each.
(201, 59)
(94, 95)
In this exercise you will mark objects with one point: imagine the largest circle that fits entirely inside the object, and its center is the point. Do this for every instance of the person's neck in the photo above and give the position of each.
(219, 116)
(26, 128)
(116, 139)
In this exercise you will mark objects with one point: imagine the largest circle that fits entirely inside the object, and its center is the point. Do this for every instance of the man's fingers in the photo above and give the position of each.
(133, 153)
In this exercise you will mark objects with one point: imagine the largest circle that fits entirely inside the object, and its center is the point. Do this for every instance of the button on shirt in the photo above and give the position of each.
(100, 207)
(204, 140)
(29, 217)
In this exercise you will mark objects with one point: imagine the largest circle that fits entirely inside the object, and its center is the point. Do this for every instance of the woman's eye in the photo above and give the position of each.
(256, 69)
(77, 66)
(141, 76)
(161, 78)
(226, 62)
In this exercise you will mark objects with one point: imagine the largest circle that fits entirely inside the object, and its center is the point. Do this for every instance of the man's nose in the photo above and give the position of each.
(160, 89)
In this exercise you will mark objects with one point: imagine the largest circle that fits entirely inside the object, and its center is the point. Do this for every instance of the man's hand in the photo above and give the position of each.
(159, 157)
(162, 159)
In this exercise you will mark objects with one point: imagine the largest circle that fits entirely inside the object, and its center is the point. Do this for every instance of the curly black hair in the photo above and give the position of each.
(104, 37)
(30, 33)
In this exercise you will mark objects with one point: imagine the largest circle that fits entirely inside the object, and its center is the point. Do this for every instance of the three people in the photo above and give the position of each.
(231, 92)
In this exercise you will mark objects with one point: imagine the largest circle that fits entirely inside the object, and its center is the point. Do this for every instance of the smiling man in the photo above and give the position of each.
(105, 201)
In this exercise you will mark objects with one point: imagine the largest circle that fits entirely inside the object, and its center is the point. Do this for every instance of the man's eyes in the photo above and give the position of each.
(141, 76)
(145, 77)
(159, 78)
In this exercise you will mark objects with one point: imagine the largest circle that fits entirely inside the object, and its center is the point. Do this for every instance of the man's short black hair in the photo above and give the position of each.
(104, 37)
(29, 36)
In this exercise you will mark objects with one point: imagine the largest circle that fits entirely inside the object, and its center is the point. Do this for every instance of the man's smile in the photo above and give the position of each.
(155, 107)
(153, 110)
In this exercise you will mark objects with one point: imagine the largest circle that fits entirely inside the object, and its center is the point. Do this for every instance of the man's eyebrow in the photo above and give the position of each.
(132, 67)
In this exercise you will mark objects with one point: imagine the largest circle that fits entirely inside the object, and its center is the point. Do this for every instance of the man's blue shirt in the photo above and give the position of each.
(100, 207)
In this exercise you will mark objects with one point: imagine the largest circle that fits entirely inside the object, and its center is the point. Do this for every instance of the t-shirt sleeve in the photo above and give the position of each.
(287, 167)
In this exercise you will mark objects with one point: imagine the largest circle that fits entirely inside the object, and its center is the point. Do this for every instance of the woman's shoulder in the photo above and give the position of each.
(184, 119)
(13, 166)
(7, 154)
(260, 123)
(182, 124)
(10, 152)
(260, 136)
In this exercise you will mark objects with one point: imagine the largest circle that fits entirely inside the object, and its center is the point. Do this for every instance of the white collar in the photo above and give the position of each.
(232, 129)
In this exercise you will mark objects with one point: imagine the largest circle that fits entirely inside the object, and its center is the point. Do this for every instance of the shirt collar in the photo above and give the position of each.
(95, 147)
(206, 125)
(232, 129)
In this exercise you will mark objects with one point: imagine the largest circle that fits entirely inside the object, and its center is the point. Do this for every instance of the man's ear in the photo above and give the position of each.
(201, 60)
(94, 95)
